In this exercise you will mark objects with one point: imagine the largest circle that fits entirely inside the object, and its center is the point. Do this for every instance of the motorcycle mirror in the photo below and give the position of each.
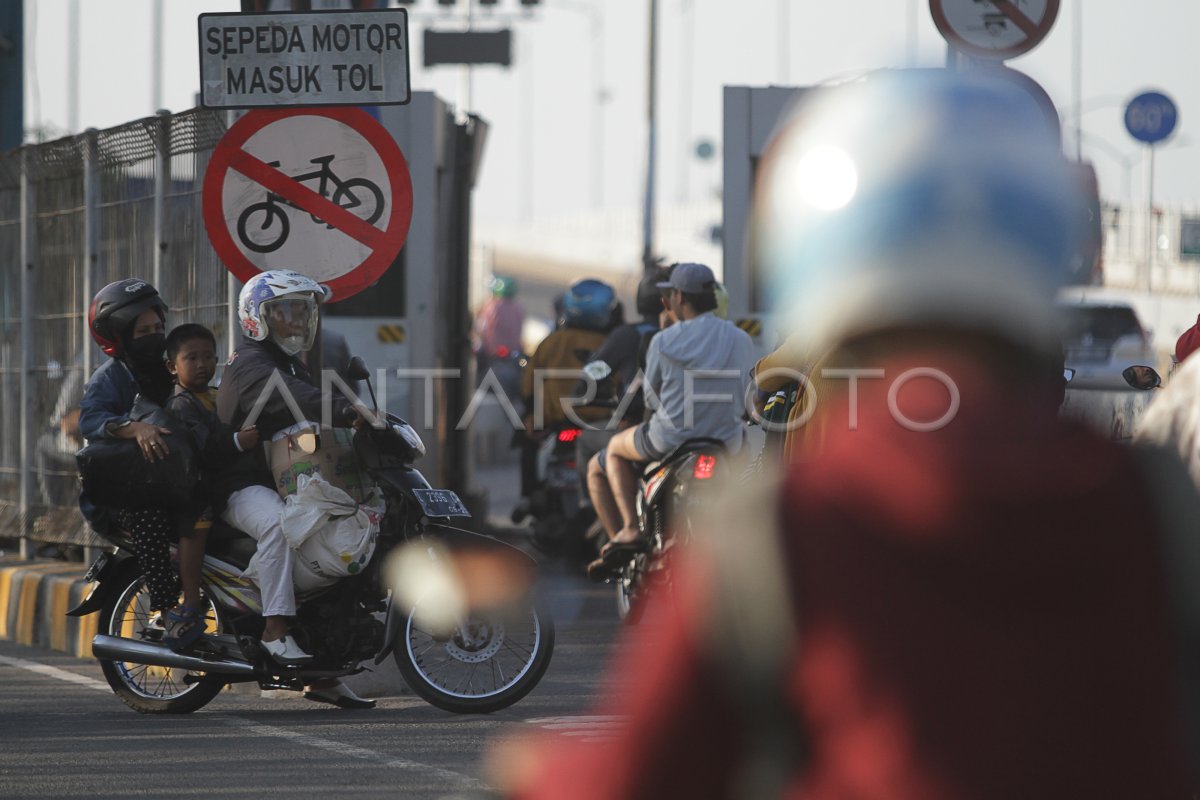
(357, 369)
(1142, 377)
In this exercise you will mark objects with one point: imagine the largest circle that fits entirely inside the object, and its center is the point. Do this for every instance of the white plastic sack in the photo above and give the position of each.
(315, 503)
(343, 543)
(331, 535)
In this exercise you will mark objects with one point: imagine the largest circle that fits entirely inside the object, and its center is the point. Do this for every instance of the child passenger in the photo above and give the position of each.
(192, 359)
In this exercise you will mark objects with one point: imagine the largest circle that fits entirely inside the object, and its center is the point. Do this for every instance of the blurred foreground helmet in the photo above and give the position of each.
(917, 198)
(589, 304)
(503, 286)
(286, 299)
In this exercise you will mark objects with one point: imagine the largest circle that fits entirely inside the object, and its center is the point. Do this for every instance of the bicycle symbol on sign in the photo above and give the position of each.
(359, 195)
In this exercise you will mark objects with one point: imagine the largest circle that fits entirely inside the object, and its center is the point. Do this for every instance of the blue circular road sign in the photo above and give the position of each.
(1150, 117)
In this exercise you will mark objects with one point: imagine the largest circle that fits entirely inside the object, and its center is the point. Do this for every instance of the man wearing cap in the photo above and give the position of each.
(696, 377)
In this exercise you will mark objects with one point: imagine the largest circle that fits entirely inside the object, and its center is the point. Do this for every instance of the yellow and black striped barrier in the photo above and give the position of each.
(34, 599)
(751, 326)
(391, 334)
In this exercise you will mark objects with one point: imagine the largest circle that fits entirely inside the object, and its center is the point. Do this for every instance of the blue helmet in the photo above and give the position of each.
(589, 304)
(915, 198)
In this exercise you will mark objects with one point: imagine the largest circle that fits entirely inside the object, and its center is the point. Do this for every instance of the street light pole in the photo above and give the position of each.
(688, 28)
(651, 81)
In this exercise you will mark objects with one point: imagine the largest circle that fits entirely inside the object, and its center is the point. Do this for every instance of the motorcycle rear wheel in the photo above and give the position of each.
(150, 689)
(492, 662)
(630, 600)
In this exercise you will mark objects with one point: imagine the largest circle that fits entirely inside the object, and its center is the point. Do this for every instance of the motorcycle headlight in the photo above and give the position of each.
(410, 438)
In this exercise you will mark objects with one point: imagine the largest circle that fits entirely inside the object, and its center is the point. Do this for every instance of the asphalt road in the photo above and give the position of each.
(64, 734)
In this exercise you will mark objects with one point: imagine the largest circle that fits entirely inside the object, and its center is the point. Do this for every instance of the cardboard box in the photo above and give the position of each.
(300, 450)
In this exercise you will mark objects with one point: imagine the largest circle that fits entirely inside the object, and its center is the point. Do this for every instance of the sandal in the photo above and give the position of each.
(184, 626)
(613, 556)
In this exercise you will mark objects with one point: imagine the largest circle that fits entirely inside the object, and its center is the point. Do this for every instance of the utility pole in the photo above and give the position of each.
(73, 67)
(156, 68)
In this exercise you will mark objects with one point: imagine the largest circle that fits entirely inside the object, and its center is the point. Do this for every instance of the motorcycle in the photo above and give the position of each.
(506, 365)
(671, 494)
(559, 506)
(465, 657)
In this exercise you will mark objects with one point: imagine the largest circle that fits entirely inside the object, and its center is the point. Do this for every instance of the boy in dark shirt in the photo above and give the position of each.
(192, 359)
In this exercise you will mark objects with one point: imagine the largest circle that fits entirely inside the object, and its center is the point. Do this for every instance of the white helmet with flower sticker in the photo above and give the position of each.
(260, 299)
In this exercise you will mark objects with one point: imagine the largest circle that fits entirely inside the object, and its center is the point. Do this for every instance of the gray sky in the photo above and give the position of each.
(549, 94)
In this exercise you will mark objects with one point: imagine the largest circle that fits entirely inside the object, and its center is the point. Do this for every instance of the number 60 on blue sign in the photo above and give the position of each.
(1150, 117)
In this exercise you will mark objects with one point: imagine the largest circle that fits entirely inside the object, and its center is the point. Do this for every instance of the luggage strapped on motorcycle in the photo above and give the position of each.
(114, 473)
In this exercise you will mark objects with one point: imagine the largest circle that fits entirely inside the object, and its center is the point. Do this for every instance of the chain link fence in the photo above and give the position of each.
(76, 214)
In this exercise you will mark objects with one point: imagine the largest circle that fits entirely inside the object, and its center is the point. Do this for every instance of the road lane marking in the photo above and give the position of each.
(589, 728)
(341, 748)
(353, 751)
(55, 672)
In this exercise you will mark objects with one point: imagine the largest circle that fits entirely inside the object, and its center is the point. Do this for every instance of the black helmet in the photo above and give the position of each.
(649, 298)
(116, 307)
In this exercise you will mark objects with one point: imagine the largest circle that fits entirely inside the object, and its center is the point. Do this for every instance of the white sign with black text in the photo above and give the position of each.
(326, 58)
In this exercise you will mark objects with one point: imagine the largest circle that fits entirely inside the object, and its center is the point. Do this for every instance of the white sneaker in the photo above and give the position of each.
(285, 651)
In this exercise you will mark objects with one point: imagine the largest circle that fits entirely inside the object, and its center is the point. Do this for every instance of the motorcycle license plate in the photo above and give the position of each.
(94, 570)
(440, 503)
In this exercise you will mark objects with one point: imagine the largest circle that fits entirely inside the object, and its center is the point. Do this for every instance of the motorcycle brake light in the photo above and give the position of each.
(704, 467)
(568, 434)
(502, 352)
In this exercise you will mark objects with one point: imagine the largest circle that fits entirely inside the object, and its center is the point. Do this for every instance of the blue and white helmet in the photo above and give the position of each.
(276, 284)
(917, 197)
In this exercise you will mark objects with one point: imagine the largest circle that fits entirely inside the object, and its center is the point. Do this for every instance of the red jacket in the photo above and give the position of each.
(983, 615)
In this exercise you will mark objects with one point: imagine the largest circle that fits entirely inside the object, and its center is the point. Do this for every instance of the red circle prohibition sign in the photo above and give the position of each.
(1034, 31)
(384, 242)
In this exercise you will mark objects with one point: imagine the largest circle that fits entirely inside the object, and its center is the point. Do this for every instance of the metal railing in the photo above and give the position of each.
(76, 214)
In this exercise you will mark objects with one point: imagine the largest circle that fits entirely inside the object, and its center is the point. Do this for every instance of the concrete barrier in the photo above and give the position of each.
(34, 599)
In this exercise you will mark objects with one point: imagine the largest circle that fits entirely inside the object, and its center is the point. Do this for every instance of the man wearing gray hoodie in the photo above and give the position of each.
(697, 373)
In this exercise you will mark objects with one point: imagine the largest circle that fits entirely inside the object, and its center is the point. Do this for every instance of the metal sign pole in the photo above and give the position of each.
(1150, 243)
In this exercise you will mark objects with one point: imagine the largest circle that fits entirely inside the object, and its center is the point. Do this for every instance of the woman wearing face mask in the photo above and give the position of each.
(128, 320)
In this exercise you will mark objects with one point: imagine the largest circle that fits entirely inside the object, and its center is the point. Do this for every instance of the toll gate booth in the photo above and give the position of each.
(751, 115)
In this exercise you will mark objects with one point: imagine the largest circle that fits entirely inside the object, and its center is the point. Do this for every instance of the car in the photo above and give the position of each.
(1100, 340)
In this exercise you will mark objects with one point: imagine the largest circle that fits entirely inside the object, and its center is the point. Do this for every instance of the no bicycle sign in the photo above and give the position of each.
(325, 192)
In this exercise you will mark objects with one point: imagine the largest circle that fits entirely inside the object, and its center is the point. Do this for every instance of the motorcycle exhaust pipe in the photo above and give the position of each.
(117, 648)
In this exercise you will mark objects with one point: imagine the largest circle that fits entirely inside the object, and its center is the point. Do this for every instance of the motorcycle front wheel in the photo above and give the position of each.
(142, 687)
(488, 663)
